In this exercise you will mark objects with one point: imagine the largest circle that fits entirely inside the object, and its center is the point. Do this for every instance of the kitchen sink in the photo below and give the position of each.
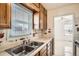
(17, 50)
(35, 44)
(20, 50)
(24, 49)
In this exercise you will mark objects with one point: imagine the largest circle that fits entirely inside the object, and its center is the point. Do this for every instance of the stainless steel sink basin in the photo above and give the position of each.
(20, 51)
(35, 44)
(24, 49)
(17, 50)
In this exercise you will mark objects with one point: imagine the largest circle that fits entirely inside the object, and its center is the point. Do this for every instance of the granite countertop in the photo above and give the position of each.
(46, 39)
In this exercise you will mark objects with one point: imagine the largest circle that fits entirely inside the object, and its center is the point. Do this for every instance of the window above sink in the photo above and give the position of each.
(21, 21)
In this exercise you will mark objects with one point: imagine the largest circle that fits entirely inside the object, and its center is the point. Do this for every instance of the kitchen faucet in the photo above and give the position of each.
(25, 41)
(24, 44)
(28, 40)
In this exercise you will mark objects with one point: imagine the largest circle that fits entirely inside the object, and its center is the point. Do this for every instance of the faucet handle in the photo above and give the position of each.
(24, 41)
(28, 40)
(22, 38)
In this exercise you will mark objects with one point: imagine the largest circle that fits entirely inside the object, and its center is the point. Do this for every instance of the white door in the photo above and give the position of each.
(63, 35)
(58, 36)
(58, 28)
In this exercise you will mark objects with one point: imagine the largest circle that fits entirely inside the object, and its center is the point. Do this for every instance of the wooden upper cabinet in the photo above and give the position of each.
(5, 15)
(43, 18)
(37, 4)
(32, 6)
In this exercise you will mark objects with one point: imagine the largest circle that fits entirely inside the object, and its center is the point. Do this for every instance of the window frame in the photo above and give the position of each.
(28, 21)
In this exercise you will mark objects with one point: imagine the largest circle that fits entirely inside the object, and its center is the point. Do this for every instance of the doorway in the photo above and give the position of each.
(63, 35)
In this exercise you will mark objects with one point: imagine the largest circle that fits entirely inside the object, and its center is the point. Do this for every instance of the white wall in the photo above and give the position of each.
(68, 9)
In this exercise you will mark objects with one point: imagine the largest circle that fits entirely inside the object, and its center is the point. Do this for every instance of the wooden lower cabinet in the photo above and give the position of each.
(38, 54)
(50, 48)
(47, 50)
(43, 54)
(43, 51)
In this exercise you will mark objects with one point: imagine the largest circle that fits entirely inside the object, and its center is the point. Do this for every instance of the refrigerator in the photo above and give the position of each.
(63, 35)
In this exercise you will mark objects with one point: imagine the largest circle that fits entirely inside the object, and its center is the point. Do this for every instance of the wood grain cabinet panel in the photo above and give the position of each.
(5, 9)
(43, 51)
(31, 6)
(48, 49)
(43, 18)
(36, 4)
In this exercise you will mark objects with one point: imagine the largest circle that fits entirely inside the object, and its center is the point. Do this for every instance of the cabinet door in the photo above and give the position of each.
(36, 4)
(4, 15)
(38, 54)
(50, 47)
(43, 51)
(47, 50)
(43, 18)
(31, 6)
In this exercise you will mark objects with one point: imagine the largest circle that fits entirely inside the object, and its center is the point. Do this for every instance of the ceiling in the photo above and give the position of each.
(50, 6)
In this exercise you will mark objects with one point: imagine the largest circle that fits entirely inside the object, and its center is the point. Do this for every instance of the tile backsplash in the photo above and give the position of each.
(7, 38)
